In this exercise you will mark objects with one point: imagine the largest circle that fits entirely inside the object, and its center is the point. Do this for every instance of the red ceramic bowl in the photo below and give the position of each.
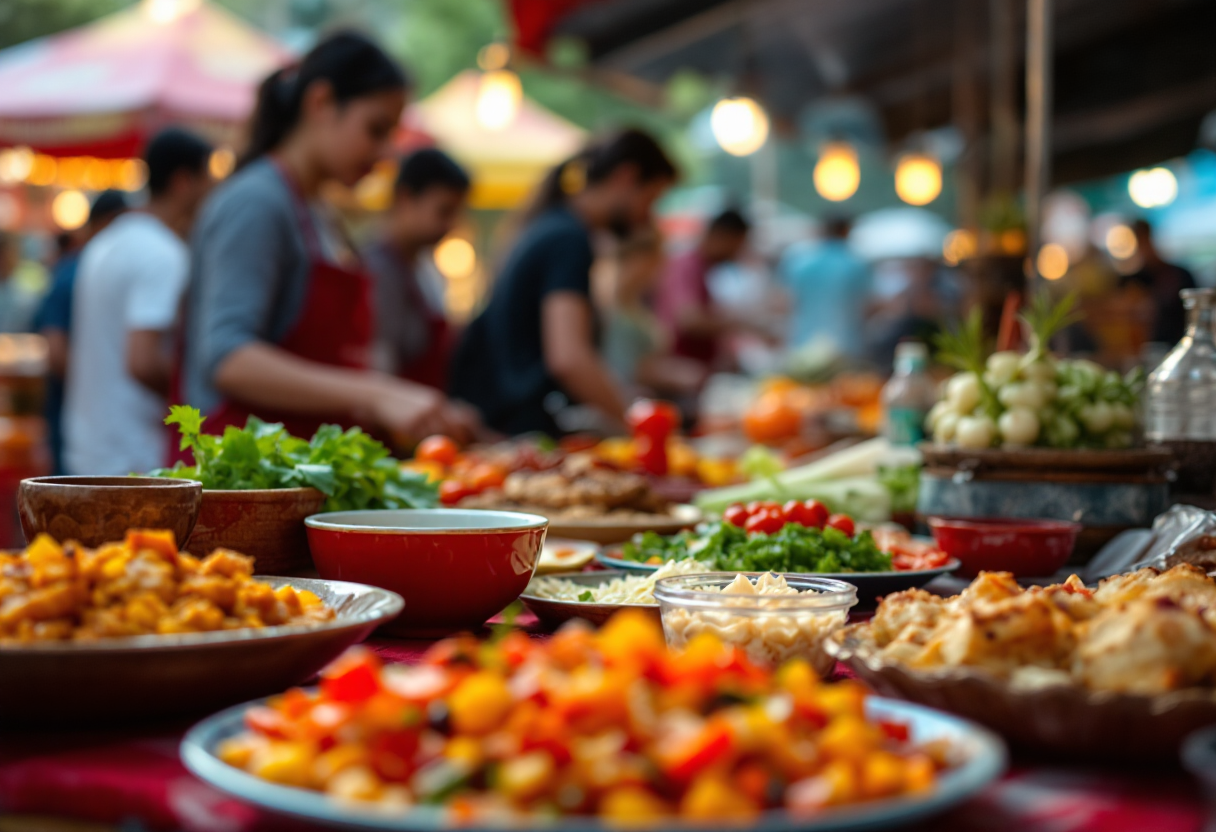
(454, 567)
(1027, 548)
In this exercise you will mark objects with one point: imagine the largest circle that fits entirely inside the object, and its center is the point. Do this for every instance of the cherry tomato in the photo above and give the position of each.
(651, 454)
(452, 492)
(486, 475)
(647, 417)
(439, 449)
(736, 515)
(765, 521)
(842, 522)
(816, 514)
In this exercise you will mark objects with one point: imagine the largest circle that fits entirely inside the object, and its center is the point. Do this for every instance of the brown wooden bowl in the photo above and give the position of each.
(267, 525)
(97, 510)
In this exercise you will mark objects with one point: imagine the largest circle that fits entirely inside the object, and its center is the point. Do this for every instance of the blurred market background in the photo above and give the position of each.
(906, 118)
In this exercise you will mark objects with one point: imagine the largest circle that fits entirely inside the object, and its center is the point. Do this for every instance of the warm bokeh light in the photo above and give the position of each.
(918, 179)
(455, 258)
(374, 192)
(493, 56)
(222, 162)
(1012, 241)
(15, 164)
(70, 210)
(131, 174)
(96, 175)
(42, 171)
(959, 245)
(1121, 242)
(1053, 261)
(1153, 188)
(498, 99)
(837, 173)
(71, 172)
(167, 11)
(739, 125)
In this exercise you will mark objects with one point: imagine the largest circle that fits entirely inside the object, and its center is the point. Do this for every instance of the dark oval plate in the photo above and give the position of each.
(143, 678)
(870, 585)
(554, 613)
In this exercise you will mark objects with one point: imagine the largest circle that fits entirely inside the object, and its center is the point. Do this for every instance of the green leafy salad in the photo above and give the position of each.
(795, 548)
(351, 468)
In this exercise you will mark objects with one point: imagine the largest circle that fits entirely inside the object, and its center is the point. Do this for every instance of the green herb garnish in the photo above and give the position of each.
(586, 596)
(351, 468)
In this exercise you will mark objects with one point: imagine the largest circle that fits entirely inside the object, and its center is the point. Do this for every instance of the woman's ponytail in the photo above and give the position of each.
(351, 64)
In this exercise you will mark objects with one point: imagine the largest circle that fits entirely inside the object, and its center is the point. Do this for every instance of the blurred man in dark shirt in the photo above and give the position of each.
(1162, 281)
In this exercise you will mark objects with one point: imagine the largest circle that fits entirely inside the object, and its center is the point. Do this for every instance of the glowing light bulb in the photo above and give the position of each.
(1053, 261)
(15, 164)
(96, 174)
(498, 99)
(70, 210)
(455, 258)
(918, 179)
(1121, 242)
(1153, 188)
(837, 173)
(739, 125)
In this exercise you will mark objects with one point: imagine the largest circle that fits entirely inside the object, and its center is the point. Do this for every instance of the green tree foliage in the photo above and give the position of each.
(22, 20)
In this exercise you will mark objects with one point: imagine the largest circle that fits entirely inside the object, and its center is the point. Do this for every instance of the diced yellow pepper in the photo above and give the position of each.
(464, 750)
(480, 703)
(711, 797)
(286, 762)
(849, 738)
(882, 774)
(681, 458)
(920, 772)
(717, 472)
(631, 806)
(843, 699)
(629, 635)
(433, 470)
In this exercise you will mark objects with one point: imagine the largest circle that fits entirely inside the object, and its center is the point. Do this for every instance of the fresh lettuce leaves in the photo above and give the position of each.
(352, 469)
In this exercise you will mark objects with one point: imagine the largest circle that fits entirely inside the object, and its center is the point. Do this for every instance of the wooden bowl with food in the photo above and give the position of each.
(94, 510)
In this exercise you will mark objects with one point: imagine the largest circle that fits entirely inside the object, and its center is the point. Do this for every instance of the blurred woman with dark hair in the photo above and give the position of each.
(279, 316)
(532, 351)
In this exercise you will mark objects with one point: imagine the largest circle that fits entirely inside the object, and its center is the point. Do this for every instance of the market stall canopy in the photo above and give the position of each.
(102, 89)
(1133, 78)
(507, 163)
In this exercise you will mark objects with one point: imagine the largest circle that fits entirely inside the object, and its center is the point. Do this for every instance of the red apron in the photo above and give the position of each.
(334, 328)
(431, 367)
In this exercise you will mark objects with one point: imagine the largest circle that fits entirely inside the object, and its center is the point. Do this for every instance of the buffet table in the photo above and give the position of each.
(133, 780)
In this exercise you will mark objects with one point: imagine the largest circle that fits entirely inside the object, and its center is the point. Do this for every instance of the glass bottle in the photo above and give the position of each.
(1181, 397)
(908, 396)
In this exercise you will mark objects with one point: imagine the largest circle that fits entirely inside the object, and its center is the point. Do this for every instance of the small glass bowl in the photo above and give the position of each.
(770, 629)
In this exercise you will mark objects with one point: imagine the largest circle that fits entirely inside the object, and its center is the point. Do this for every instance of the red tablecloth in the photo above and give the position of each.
(110, 778)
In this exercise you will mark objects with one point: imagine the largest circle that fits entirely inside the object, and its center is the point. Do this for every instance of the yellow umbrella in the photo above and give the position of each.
(507, 156)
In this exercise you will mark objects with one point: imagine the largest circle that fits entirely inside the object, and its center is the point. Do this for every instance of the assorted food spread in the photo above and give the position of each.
(607, 724)
(1146, 632)
(140, 586)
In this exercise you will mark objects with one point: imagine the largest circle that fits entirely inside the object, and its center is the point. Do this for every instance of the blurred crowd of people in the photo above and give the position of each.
(250, 297)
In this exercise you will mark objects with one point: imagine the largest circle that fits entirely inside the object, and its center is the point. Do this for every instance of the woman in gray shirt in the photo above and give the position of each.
(278, 311)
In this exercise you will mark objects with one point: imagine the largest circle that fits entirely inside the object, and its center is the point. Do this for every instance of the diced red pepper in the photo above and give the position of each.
(267, 721)
(710, 745)
(897, 731)
(354, 677)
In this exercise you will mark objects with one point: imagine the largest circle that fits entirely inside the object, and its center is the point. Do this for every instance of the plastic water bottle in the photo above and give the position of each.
(908, 396)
